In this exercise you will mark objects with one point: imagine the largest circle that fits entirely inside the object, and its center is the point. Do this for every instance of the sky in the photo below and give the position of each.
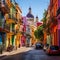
(37, 7)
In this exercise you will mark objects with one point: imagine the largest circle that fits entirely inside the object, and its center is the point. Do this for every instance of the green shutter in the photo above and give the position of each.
(13, 40)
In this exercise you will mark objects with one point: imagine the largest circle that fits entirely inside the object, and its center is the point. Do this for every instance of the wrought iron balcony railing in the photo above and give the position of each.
(12, 17)
(7, 27)
(58, 11)
(13, 30)
(4, 5)
(1, 24)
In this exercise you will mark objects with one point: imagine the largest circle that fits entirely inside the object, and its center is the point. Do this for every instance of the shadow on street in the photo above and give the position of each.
(31, 55)
(18, 56)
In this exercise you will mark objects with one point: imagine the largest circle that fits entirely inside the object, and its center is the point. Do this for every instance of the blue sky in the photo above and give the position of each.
(37, 7)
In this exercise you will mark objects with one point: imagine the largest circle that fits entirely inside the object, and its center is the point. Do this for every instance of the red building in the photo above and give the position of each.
(52, 22)
(58, 18)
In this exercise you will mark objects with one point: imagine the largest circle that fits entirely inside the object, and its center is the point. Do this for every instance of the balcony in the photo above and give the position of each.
(7, 27)
(11, 19)
(4, 27)
(4, 7)
(1, 24)
(58, 11)
(13, 30)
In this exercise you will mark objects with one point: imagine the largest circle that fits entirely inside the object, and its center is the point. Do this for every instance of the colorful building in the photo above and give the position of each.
(51, 31)
(17, 26)
(52, 23)
(10, 21)
(53, 18)
(47, 34)
(24, 30)
(4, 9)
(10, 15)
(58, 18)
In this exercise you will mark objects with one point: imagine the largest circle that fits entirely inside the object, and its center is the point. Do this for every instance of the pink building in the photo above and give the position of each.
(23, 30)
(23, 38)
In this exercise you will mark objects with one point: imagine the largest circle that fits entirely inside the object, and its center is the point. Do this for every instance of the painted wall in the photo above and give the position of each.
(24, 21)
(58, 24)
(45, 38)
(59, 3)
(0, 39)
(23, 39)
(59, 30)
(55, 35)
(53, 12)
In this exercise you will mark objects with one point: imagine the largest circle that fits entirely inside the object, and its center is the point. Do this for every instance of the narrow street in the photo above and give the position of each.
(31, 54)
(25, 24)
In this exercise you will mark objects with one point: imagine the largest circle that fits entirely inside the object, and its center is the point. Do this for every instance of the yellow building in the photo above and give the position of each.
(13, 19)
(33, 39)
(17, 26)
(4, 9)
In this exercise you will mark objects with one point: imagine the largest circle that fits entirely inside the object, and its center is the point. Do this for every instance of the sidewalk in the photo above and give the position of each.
(19, 50)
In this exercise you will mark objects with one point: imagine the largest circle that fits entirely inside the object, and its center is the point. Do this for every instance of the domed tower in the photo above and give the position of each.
(30, 16)
(37, 19)
(30, 22)
(30, 10)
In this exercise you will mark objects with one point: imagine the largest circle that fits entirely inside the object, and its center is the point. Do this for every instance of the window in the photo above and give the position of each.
(54, 47)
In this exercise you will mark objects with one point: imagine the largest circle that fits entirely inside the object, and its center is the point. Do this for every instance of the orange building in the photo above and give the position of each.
(58, 17)
(47, 22)
(53, 21)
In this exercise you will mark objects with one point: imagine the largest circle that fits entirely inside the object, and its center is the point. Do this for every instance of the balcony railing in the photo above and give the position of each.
(58, 11)
(12, 17)
(4, 5)
(1, 24)
(13, 30)
(54, 20)
(7, 27)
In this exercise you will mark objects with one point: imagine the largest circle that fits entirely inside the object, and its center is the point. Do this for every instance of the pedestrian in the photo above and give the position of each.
(19, 45)
(0, 49)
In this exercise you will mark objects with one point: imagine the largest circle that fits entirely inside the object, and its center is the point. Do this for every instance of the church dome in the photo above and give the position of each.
(30, 15)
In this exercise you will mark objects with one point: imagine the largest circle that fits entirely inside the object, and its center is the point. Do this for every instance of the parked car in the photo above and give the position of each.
(53, 50)
(38, 46)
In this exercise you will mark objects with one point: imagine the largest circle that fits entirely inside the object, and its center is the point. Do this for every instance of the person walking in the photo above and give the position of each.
(1, 49)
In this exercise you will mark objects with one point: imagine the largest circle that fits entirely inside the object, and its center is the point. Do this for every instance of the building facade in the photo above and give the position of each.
(10, 15)
(30, 20)
(58, 18)
(54, 22)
